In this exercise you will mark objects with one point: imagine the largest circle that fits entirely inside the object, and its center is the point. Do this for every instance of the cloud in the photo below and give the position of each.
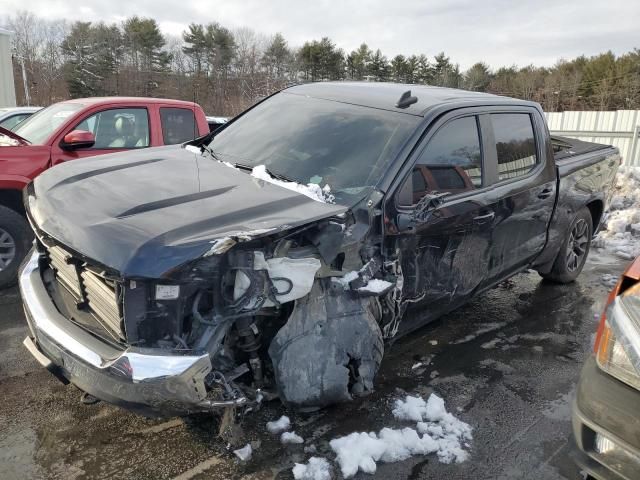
(499, 32)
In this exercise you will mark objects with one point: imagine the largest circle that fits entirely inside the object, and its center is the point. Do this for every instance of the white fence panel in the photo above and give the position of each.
(620, 128)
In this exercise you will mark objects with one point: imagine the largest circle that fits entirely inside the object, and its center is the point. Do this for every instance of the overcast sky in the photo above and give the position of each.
(499, 32)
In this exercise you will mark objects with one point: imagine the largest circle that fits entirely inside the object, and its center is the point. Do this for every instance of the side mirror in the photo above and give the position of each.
(427, 205)
(77, 139)
(422, 211)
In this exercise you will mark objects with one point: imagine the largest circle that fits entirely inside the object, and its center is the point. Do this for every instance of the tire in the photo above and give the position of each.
(15, 241)
(574, 250)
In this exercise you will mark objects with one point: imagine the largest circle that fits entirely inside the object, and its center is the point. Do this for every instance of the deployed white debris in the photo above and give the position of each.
(244, 453)
(311, 190)
(279, 426)
(376, 285)
(317, 468)
(292, 276)
(622, 233)
(441, 433)
(291, 437)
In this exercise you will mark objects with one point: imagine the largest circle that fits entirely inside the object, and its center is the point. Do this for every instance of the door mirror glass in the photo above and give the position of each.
(78, 139)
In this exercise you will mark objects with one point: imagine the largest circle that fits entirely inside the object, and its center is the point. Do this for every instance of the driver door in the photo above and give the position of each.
(114, 129)
(444, 251)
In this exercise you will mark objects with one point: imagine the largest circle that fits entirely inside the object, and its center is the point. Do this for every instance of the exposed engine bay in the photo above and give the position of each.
(288, 316)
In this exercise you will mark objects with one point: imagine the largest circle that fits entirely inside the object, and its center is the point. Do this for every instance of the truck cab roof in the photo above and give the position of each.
(130, 101)
(385, 96)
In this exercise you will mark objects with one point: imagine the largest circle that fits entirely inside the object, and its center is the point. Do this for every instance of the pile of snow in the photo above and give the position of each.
(441, 433)
(437, 431)
(622, 234)
(316, 469)
(434, 420)
(311, 190)
(279, 426)
(291, 437)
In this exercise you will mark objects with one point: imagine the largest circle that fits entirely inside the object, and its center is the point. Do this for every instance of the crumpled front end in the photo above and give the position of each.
(295, 312)
(149, 381)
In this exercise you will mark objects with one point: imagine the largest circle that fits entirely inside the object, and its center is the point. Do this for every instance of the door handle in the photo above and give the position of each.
(487, 217)
(546, 193)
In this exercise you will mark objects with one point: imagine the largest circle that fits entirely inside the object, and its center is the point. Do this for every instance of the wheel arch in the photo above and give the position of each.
(596, 208)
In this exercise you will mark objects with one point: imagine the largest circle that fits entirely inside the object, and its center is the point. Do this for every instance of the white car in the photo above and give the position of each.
(11, 117)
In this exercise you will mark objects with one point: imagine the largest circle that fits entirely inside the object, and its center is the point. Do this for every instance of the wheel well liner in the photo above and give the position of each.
(12, 199)
(596, 207)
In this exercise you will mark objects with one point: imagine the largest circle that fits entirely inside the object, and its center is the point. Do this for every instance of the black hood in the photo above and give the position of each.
(143, 213)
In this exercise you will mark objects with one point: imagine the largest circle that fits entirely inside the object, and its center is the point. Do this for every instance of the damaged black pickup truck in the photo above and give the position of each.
(280, 253)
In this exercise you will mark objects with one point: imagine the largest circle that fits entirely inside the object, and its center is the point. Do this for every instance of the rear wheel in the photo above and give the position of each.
(15, 239)
(574, 250)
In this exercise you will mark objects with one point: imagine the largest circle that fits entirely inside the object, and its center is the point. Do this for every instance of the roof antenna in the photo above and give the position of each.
(406, 99)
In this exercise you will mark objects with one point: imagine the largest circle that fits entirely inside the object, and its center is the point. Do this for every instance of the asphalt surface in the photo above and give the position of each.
(506, 363)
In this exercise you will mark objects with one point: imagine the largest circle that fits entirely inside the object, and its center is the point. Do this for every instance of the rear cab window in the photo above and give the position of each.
(515, 144)
(178, 125)
(451, 163)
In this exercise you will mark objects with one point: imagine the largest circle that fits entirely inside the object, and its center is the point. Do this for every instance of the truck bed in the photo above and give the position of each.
(565, 148)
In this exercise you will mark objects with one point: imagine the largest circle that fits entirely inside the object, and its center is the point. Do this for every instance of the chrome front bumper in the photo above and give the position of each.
(148, 381)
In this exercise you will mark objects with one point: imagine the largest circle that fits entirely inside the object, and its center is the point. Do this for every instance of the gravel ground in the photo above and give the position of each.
(506, 363)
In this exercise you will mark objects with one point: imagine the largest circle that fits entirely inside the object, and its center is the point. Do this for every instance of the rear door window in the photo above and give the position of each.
(178, 125)
(515, 144)
(451, 162)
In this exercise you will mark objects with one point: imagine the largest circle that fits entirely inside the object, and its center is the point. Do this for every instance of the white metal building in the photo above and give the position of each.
(620, 128)
(7, 87)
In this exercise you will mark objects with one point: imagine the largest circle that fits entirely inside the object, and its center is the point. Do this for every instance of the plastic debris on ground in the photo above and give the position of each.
(311, 190)
(317, 468)
(436, 431)
(291, 437)
(621, 235)
(244, 453)
(279, 426)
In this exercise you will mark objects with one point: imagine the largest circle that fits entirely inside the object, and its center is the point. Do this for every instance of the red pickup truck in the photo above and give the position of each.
(72, 130)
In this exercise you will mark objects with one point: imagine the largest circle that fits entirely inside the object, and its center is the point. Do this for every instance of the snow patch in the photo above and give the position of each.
(376, 285)
(486, 328)
(291, 437)
(244, 453)
(609, 280)
(441, 433)
(279, 426)
(193, 149)
(311, 190)
(317, 468)
(621, 235)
